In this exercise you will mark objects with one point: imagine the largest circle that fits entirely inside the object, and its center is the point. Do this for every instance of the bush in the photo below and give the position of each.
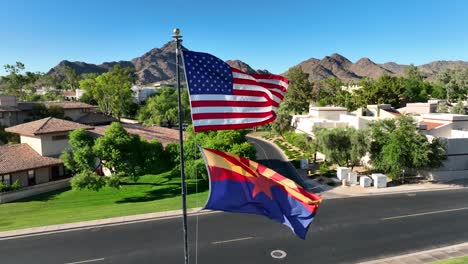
(88, 180)
(5, 188)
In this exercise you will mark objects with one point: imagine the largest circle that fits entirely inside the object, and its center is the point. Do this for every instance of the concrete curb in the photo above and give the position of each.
(422, 256)
(99, 223)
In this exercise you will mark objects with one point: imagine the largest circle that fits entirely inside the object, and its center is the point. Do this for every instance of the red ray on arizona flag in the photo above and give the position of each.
(240, 185)
(223, 98)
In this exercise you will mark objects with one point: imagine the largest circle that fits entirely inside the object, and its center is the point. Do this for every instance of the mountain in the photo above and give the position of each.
(340, 67)
(156, 65)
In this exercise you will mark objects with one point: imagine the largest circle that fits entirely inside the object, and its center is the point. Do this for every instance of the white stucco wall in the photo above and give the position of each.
(33, 141)
(74, 114)
(52, 147)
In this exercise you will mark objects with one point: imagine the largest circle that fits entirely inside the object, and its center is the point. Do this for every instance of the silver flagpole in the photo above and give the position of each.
(178, 39)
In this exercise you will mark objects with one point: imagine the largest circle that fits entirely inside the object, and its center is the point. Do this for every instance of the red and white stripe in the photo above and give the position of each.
(253, 103)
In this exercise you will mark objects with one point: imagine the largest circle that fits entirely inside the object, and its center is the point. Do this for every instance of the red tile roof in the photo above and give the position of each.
(96, 118)
(162, 134)
(71, 105)
(431, 125)
(46, 125)
(21, 157)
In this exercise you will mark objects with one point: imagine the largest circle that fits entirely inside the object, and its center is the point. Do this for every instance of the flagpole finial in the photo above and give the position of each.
(176, 33)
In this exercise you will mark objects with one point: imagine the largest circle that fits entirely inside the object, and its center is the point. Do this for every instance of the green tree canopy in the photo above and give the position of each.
(396, 146)
(79, 156)
(455, 82)
(342, 146)
(111, 90)
(299, 94)
(162, 108)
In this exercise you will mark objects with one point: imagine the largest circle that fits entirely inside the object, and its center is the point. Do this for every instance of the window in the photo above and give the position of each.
(31, 177)
(6, 179)
(60, 137)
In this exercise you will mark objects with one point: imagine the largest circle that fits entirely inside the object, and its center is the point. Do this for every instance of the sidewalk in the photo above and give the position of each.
(427, 256)
(355, 190)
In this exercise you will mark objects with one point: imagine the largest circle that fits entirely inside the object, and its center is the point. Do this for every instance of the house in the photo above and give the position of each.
(453, 130)
(35, 161)
(72, 95)
(13, 112)
(96, 118)
(141, 93)
(334, 117)
(420, 108)
(47, 136)
(20, 162)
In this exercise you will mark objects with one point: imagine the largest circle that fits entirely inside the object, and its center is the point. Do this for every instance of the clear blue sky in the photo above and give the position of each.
(271, 35)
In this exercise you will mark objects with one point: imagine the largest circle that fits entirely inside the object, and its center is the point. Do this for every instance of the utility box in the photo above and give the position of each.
(342, 173)
(365, 181)
(380, 180)
(352, 178)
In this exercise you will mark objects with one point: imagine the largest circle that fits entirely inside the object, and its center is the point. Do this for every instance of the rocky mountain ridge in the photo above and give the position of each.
(158, 64)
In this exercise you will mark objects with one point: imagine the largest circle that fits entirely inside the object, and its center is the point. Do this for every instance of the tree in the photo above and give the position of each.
(79, 156)
(342, 146)
(455, 82)
(282, 123)
(232, 141)
(396, 146)
(412, 72)
(299, 94)
(15, 80)
(56, 111)
(459, 108)
(71, 79)
(111, 90)
(386, 89)
(329, 92)
(162, 108)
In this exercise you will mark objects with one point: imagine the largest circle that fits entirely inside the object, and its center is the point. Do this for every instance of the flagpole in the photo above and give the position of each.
(178, 39)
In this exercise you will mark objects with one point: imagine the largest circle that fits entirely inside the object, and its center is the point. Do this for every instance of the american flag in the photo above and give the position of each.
(223, 98)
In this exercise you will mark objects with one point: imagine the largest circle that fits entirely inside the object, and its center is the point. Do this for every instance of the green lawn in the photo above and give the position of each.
(152, 193)
(460, 260)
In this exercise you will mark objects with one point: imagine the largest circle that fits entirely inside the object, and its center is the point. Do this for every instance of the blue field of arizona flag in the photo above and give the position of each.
(240, 185)
(222, 97)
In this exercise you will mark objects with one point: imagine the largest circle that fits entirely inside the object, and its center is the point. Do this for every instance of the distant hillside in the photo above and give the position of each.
(156, 65)
(340, 67)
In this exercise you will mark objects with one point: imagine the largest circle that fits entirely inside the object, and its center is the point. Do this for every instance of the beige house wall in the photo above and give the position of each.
(75, 114)
(21, 176)
(33, 141)
(53, 147)
(42, 175)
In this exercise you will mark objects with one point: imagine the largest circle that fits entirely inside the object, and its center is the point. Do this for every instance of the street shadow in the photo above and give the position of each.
(166, 191)
(458, 182)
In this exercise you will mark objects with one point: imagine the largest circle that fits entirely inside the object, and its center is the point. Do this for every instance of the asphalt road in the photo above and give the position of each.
(345, 231)
(270, 156)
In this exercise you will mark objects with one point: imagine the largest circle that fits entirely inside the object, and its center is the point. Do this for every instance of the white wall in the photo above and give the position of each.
(33, 141)
(52, 147)
(74, 114)
(34, 190)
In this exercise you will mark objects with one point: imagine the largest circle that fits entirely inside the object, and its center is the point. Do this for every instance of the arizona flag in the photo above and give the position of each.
(240, 185)
(222, 97)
